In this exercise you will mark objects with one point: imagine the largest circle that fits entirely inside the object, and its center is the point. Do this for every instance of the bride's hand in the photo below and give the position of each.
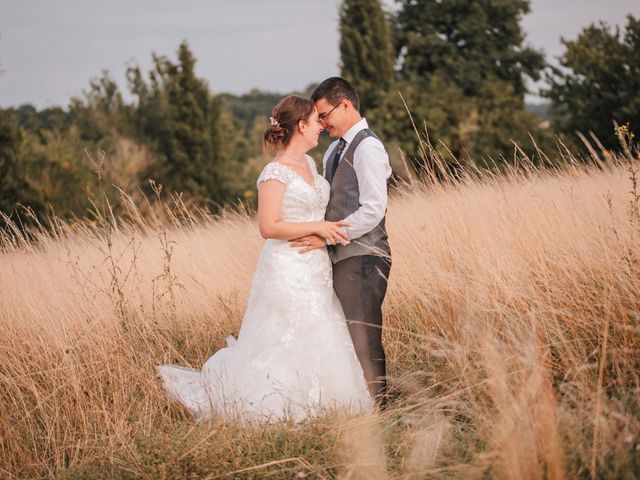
(333, 232)
(308, 243)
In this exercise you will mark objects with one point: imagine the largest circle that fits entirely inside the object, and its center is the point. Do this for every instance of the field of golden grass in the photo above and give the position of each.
(512, 334)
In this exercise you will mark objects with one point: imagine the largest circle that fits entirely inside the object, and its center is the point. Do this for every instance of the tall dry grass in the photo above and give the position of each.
(512, 337)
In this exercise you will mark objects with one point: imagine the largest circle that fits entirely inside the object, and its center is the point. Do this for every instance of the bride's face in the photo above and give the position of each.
(311, 129)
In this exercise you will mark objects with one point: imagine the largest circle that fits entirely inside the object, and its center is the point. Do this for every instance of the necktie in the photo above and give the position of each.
(336, 157)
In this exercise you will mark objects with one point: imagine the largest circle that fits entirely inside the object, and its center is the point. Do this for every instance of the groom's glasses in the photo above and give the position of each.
(323, 116)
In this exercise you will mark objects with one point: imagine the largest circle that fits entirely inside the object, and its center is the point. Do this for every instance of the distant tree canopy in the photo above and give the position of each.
(175, 132)
(460, 65)
(598, 82)
(11, 174)
(253, 104)
(52, 118)
(184, 125)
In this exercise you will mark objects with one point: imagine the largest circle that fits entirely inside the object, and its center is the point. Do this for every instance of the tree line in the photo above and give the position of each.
(461, 68)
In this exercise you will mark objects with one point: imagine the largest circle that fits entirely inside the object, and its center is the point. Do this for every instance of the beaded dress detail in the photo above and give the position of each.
(294, 356)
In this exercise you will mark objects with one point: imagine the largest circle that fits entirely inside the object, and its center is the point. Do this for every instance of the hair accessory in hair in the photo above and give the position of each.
(273, 122)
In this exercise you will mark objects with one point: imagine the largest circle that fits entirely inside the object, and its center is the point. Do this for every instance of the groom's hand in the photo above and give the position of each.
(308, 243)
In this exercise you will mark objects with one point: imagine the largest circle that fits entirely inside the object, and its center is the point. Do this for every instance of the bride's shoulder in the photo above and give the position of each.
(275, 171)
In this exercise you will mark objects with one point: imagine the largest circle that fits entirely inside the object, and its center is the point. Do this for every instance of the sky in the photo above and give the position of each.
(49, 50)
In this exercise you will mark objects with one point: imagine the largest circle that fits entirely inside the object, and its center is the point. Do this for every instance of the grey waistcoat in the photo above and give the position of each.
(345, 199)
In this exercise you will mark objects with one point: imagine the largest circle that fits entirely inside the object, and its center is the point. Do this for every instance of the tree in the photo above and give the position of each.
(10, 175)
(249, 106)
(598, 81)
(99, 114)
(186, 126)
(468, 41)
(366, 50)
(12, 184)
(463, 68)
(51, 118)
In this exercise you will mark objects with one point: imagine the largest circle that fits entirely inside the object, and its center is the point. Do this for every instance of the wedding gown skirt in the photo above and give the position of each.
(294, 356)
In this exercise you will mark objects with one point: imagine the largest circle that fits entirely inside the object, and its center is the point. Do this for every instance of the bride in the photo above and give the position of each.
(294, 356)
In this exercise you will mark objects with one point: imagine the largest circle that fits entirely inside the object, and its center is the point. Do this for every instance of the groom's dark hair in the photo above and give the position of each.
(334, 90)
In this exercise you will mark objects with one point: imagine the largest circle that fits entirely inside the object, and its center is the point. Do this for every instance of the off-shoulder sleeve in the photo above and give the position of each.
(275, 171)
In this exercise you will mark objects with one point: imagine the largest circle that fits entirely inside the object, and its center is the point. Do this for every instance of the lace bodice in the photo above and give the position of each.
(302, 202)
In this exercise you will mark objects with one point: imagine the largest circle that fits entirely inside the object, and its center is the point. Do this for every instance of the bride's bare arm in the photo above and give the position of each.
(270, 195)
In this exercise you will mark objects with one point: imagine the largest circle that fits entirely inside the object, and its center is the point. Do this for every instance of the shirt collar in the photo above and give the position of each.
(353, 131)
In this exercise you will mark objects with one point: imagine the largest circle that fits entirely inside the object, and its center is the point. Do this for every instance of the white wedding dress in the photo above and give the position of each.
(294, 356)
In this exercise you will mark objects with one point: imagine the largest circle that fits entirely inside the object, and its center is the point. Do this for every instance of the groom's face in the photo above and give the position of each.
(331, 117)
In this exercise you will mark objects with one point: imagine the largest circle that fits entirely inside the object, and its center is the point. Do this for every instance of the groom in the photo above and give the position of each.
(357, 167)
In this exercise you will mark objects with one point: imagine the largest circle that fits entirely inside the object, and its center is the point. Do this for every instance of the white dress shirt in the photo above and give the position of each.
(371, 164)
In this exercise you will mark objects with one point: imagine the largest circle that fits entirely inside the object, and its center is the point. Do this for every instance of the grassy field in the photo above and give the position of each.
(512, 335)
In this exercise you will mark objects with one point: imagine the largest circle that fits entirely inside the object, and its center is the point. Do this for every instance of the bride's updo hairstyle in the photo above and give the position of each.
(284, 120)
